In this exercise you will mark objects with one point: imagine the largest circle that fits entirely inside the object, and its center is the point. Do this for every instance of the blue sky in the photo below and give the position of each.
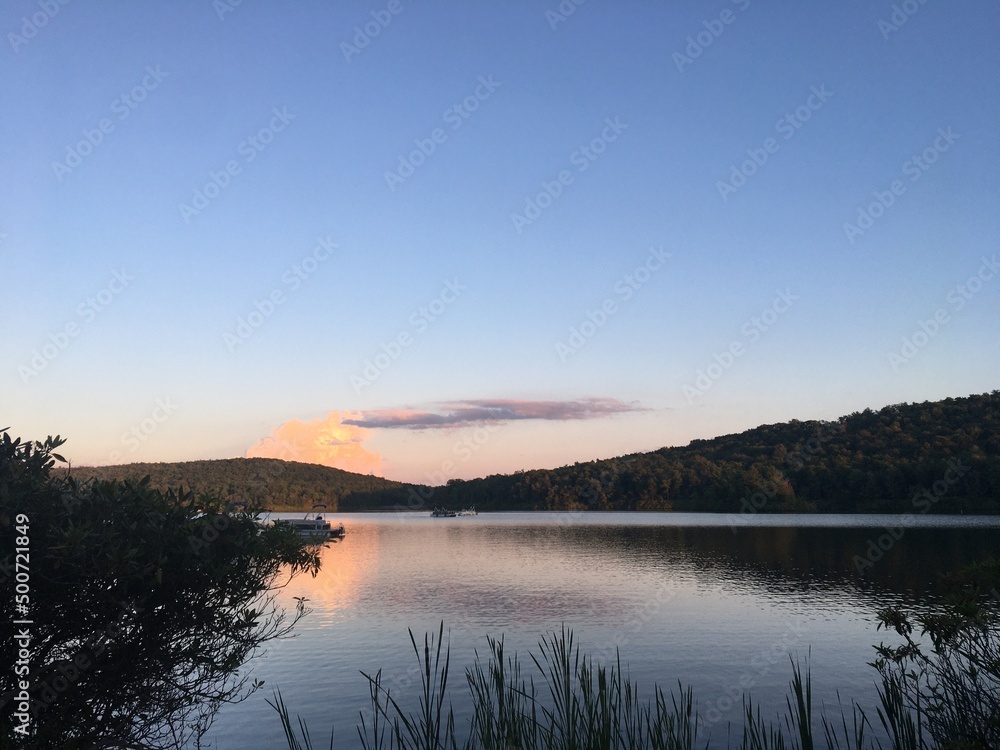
(697, 217)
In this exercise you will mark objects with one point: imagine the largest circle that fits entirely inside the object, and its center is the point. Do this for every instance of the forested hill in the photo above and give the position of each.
(268, 482)
(938, 457)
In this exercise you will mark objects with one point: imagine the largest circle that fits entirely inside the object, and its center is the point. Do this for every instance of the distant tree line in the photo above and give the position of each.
(938, 457)
(932, 457)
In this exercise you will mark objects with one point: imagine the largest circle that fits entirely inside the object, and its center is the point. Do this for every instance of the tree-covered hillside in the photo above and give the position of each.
(268, 482)
(936, 457)
(931, 457)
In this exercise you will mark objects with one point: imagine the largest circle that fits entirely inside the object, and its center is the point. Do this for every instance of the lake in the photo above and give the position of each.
(712, 601)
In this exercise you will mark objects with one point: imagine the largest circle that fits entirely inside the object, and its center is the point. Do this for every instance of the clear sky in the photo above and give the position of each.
(442, 239)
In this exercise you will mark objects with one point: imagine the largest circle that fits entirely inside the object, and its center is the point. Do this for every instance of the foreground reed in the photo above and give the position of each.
(938, 690)
(589, 706)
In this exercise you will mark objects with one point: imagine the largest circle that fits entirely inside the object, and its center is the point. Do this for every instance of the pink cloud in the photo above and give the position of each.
(481, 411)
(330, 441)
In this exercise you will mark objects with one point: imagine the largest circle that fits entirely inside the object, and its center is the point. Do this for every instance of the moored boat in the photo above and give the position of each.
(446, 513)
(316, 525)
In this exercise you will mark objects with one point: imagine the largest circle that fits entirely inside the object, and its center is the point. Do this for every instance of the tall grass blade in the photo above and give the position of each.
(799, 719)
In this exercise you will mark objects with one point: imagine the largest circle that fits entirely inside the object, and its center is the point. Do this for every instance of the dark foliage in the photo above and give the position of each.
(947, 670)
(144, 606)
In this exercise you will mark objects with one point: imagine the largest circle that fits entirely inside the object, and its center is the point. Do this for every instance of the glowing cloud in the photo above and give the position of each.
(482, 411)
(333, 441)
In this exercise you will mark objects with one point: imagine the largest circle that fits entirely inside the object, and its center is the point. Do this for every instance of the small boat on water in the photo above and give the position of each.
(315, 524)
(445, 513)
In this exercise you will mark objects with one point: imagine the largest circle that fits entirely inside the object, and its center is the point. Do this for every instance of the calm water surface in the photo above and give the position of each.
(686, 597)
